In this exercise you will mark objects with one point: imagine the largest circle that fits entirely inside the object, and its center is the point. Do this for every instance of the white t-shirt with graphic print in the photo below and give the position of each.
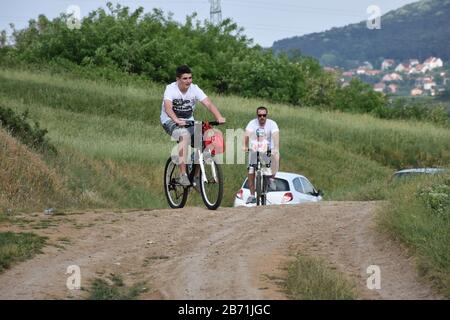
(183, 104)
(261, 137)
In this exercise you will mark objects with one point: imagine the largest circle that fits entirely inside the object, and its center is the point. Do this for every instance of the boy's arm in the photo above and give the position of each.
(213, 109)
(169, 110)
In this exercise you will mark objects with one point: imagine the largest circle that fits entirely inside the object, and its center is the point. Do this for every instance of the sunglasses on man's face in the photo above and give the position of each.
(262, 115)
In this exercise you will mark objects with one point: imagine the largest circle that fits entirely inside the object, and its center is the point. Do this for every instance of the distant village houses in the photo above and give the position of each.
(393, 88)
(392, 77)
(379, 87)
(403, 67)
(433, 63)
(413, 62)
(387, 64)
(416, 92)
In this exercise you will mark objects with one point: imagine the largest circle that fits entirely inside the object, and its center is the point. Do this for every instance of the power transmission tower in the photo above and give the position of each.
(215, 12)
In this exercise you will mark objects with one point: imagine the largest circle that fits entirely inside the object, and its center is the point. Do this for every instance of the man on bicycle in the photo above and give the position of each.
(261, 134)
(178, 107)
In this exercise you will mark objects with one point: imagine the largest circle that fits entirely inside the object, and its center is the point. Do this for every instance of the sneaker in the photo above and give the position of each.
(251, 200)
(272, 184)
(196, 184)
(184, 180)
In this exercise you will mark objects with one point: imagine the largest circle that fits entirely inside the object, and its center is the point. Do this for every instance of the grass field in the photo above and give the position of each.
(112, 148)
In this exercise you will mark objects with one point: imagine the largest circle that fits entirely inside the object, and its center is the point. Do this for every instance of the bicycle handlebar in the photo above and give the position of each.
(190, 123)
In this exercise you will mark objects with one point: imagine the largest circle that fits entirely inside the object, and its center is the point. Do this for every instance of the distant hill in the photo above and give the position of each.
(417, 30)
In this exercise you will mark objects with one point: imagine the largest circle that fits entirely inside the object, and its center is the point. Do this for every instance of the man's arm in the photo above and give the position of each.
(168, 106)
(213, 109)
(246, 140)
(276, 141)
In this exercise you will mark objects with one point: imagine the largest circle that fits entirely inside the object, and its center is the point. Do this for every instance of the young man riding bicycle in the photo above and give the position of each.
(261, 134)
(178, 107)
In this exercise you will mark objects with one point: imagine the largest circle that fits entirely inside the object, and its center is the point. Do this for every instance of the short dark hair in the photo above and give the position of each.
(182, 70)
(262, 108)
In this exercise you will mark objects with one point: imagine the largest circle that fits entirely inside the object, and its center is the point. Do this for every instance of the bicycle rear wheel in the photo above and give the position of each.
(259, 189)
(176, 194)
(264, 190)
(211, 189)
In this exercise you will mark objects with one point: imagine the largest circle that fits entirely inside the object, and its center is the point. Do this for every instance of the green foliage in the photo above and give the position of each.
(437, 199)
(403, 109)
(112, 148)
(151, 45)
(311, 278)
(358, 97)
(114, 289)
(18, 126)
(418, 213)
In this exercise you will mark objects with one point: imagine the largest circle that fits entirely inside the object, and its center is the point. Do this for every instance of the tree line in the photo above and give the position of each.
(152, 45)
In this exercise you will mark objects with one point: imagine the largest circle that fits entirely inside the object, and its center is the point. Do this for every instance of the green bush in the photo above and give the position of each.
(437, 199)
(418, 214)
(16, 247)
(18, 126)
(152, 45)
(358, 97)
(403, 109)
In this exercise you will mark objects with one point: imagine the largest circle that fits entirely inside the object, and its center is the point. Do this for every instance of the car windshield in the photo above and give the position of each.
(281, 185)
(410, 174)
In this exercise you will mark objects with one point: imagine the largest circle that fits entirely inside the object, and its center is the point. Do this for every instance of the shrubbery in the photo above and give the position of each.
(152, 45)
(404, 109)
(18, 126)
(437, 199)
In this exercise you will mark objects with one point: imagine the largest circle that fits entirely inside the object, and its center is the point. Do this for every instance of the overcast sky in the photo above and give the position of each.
(265, 21)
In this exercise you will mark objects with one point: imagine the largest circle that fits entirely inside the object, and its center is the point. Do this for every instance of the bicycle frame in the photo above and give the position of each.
(261, 178)
(211, 183)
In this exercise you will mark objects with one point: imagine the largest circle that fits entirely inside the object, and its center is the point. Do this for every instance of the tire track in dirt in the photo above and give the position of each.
(231, 253)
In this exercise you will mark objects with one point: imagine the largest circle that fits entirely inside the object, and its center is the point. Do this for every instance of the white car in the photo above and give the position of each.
(291, 188)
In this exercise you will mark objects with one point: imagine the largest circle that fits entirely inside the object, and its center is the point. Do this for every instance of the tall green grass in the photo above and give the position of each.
(314, 279)
(114, 288)
(418, 214)
(15, 247)
(113, 148)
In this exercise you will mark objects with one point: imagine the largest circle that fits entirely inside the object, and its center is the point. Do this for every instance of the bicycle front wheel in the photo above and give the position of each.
(176, 194)
(211, 185)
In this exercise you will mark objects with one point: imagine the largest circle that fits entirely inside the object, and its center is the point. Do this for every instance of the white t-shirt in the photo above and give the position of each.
(261, 137)
(183, 104)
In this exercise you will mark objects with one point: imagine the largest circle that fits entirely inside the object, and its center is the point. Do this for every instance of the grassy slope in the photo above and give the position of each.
(26, 180)
(422, 228)
(113, 149)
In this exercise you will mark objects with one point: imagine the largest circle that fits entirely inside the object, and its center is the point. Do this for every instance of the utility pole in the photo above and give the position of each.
(215, 12)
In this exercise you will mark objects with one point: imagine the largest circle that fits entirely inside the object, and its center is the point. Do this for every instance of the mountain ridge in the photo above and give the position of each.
(415, 31)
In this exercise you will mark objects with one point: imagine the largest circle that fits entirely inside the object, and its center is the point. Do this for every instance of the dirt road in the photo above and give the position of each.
(231, 253)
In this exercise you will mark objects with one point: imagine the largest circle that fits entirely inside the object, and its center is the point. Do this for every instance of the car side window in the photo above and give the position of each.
(307, 186)
(281, 185)
(298, 185)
